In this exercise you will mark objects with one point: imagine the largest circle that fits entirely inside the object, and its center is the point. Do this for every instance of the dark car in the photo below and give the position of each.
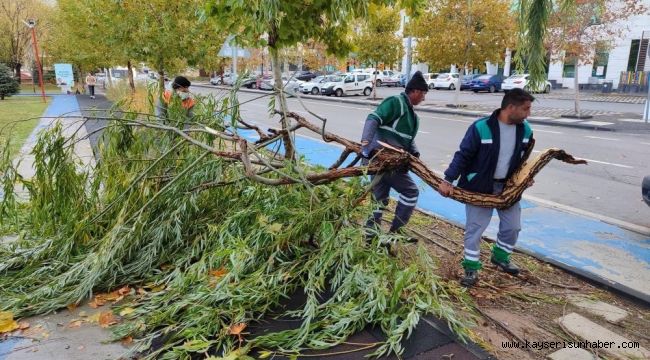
(307, 75)
(489, 83)
(466, 82)
(645, 189)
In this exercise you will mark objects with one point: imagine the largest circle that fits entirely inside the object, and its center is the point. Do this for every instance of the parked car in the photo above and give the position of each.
(290, 85)
(446, 81)
(307, 75)
(350, 84)
(224, 79)
(313, 86)
(386, 77)
(489, 83)
(466, 81)
(645, 189)
(521, 81)
(429, 78)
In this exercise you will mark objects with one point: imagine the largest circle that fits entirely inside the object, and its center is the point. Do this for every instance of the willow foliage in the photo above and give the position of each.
(205, 258)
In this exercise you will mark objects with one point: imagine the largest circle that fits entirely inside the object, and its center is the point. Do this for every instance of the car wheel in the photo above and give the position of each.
(367, 91)
(253, 86)
(378, 83)
(491, 89)
(645, 189)
(430, 86)
(452, 87)
(339, 92)
(315, 91)
(547, 89)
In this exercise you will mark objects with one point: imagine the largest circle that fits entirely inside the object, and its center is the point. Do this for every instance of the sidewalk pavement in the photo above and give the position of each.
(601, 120)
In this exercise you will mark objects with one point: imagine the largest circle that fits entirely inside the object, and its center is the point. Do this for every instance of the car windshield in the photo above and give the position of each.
(484, 77)
(318, 79)
(517, 77)
(335, 79)
(442, 76)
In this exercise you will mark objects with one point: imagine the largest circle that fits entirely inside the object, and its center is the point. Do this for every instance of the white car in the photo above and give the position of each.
(521, 82)
(348, 84)
(217, 80)
(313, 86)
(290, 86)
(429, 78)
(446, 81)
(386, 77)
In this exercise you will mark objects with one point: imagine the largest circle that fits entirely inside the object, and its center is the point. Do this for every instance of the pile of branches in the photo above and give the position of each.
(184, 213)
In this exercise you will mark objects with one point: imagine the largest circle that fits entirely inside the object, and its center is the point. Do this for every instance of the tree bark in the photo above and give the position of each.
(289, 151)
(18, 67)
(130, 73)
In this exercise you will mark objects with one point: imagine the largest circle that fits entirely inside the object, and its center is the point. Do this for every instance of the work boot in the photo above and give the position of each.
(506, 266)
(470, 278)
(409, 239)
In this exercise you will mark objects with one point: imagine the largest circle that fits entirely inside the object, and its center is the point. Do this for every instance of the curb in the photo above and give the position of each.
(435, 110)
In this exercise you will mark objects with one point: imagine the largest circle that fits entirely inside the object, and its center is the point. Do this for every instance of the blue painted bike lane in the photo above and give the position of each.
(602, 252)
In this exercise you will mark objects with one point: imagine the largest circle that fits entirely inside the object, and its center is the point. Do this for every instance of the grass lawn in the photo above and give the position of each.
(12, 111)
(29, 88)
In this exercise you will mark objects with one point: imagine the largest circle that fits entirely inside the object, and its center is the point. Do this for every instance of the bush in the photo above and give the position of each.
(8, 84)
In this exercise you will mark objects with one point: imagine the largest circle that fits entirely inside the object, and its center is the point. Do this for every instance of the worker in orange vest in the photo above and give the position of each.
(180, 90)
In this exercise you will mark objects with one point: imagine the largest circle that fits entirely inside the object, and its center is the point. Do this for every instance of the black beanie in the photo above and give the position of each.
(180, 81)
(417, 82)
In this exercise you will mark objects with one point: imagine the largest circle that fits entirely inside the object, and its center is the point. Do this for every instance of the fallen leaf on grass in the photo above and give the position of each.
(106, 319)
(7, 322)
(23, 325)
(236, 329)
(127, 340)
(127, 311)
(94, 318)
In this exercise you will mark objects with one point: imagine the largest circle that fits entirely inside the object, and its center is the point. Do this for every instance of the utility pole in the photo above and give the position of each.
(31, 23)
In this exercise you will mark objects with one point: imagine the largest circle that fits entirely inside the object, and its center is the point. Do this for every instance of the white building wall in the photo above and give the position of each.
(618, 54)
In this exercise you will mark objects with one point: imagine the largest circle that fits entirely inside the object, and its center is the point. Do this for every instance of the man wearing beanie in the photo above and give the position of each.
(180, 93)
(395, 122)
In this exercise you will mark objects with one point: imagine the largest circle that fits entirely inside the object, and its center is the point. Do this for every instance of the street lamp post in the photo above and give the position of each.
(31, 23)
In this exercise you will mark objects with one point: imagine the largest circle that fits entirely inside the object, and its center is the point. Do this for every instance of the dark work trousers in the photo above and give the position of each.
(400, 181)
(91, 89)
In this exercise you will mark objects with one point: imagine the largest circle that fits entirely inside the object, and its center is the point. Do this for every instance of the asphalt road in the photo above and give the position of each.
(609, 186)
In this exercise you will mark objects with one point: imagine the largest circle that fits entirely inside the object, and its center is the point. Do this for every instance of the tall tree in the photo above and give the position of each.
(280, 24)
(377, 41)
(15, 36)
(577, 29)
(463, 32)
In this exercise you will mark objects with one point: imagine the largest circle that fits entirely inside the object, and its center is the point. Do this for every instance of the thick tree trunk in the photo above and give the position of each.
(130, 73)
(18, 67)
(289, 151)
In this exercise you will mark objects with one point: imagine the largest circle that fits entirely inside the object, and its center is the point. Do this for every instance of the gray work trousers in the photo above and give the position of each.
(408, 191)
(478, 219)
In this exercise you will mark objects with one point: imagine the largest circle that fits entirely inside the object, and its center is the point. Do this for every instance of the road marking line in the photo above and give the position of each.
(596, 123)
(601, 138)
(423, 132)
(644, 143)
(548, 131)
(599, 162)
